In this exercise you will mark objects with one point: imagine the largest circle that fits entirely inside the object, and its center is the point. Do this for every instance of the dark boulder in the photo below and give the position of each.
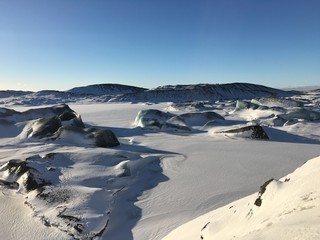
(105, 138)
(45, 127)
(15, 169)
(94, 136)
(256, 132)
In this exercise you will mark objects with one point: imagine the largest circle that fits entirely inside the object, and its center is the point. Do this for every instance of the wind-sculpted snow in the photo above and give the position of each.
(72, 193)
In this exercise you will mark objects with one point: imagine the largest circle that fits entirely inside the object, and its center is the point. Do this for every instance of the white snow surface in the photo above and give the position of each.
(156, 181)
(289, 209)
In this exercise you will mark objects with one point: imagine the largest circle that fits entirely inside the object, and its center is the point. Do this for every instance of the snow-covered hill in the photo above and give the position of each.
(203, 92)
(124, 93)
(284, 209)
(106, 89)
(13, 93)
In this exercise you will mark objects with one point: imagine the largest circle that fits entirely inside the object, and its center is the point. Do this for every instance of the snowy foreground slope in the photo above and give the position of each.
(64, 176)
(288, 208)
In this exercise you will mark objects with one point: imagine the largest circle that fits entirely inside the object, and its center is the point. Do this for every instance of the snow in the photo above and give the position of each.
(155, 182)
(295, 204)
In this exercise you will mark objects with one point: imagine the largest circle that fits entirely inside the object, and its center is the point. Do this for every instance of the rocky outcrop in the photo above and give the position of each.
(253, 132)
(92, 136)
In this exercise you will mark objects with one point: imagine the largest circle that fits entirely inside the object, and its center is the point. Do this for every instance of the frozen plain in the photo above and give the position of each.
(200, 170)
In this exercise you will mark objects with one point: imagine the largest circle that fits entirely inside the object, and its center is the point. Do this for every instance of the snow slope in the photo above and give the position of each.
(287, 208)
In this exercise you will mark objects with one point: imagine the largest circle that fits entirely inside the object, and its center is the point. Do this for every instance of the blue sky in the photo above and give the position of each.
(60, 44)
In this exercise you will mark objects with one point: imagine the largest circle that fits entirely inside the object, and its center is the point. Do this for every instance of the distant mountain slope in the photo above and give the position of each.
(202, 92)
(124, 93)
(106, 89)
(13, 93)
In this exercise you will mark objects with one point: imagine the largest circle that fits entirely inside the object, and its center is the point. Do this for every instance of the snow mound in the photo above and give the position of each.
(152, 118)
(283, 209)
(196, 118)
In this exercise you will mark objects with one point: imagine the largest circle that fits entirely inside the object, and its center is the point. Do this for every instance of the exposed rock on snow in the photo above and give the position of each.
(240, 105)
(152, 119)
(156, 119)
(75, 193)
(92, 136)
(28, 175)
(45, 127)
(45, 112)
(60, 122)
(253, 132)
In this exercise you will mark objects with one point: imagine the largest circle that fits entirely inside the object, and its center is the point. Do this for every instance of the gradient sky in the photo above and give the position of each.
(60, 44)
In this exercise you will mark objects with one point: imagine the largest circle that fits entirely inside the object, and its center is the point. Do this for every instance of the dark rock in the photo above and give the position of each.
(105, 138)
(257, 132)
(263, 188)
(45, 127)
(66, 116)
(152, 118)
(16, 168)
(98, 137)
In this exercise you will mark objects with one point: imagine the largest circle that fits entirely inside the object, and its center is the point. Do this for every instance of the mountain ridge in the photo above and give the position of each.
(125, 93)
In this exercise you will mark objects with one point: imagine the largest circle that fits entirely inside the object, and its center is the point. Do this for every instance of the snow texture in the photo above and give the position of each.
(173, 170)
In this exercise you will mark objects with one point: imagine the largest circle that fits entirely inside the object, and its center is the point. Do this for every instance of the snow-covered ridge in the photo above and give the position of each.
(287, 208)
(106, 89)
(13, 93)
(203, 92)
(124, 93)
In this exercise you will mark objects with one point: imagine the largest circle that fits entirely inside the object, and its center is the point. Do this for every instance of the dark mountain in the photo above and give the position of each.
(106, 89)
(13, 93)
(202, 92)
